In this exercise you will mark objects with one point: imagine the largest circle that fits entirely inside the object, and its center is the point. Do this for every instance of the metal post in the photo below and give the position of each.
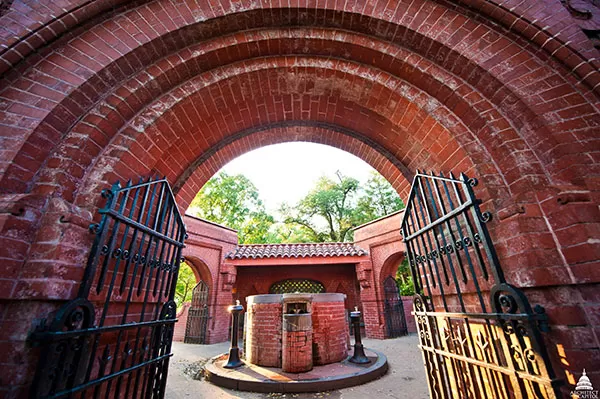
(234, 352)
(359, 356)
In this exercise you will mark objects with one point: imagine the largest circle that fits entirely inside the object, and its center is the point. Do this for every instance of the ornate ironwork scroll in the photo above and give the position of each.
(478, 334)
(393, 309)
(198, 316)
(114, 340)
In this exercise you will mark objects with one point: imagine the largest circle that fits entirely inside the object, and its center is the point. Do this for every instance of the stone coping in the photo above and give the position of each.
(250, 377)
(278, 298)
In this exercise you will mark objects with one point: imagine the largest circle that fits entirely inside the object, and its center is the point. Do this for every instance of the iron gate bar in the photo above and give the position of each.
(198, 315)
(470, 201)
(141, 227)
(504, 370)
(468, 350)
(394, 309)
(58, 335)
(439, 221)
(102, 380)
(139, 240)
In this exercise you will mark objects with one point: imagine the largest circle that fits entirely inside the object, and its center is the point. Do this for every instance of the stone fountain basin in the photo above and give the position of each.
(250, 377)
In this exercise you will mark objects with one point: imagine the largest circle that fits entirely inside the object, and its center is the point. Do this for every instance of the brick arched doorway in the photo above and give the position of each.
(151, 87)
(196, 327)
(393, 309)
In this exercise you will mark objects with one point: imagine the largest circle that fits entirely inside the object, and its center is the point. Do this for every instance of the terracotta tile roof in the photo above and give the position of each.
(258, 251)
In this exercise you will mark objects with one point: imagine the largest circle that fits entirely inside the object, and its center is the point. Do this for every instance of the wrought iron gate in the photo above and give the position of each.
(393, 309)
(197, 322)
(114, 340)
(473, 346)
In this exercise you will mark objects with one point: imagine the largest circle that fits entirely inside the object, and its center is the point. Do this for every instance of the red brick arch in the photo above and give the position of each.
(210, 162)
(96, 91)
(390, 266)
(200, 269)
(490, 83)
(28, 34)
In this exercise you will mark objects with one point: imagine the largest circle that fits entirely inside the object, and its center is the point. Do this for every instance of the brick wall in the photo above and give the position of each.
(264, 329)
(204, 252)
(407, 302)
(182, 316)
(297, 354)
(330, 332)
(386, 248)
(336, 278)
(263, 334)
(297, 344)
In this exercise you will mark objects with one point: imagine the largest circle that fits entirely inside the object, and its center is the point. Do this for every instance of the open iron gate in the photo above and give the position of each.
(114, 339)
(473, 346)
(197, 322)
(393, 309)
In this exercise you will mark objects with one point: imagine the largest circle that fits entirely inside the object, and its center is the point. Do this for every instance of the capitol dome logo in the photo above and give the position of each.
(584, 388)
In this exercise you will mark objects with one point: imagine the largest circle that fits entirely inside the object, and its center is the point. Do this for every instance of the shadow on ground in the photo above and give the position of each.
(404, 380)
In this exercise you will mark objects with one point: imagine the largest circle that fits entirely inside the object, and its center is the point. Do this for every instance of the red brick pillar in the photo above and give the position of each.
(297, 354)
(263, 330)
(407, 303)
(372, 306)
(330, 328)
(180, 326)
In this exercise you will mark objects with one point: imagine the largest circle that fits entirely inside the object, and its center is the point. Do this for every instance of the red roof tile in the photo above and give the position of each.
(257, 251)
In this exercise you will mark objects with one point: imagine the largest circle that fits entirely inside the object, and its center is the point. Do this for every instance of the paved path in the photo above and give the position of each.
(404, 380)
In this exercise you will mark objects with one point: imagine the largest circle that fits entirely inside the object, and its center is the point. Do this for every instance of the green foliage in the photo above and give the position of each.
(379, 199)
(404, 279)
(330, 211)
(233, 201)
(288, 233)
(186, 281)
(329, 200)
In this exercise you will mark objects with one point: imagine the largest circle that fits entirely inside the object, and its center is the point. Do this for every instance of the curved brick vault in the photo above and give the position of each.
(95, 91)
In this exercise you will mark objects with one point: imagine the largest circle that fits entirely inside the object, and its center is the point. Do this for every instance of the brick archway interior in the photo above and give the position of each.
(201, 273)
(111, 90)
(200, 269)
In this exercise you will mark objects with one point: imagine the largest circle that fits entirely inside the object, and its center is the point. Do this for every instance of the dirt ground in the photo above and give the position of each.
(404, 380)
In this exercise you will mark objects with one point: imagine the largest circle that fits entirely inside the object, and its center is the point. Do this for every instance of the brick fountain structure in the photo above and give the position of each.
(296, 331)
(296, 342)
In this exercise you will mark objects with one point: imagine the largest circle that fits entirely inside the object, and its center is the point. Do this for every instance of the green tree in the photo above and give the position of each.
(288, 233)
(334, 207)
(233, 201)
(186, 281)
(379, 198)
(404, 279)
(332, 202)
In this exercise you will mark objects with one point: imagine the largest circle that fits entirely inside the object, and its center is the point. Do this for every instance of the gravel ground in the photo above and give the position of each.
(404, 380)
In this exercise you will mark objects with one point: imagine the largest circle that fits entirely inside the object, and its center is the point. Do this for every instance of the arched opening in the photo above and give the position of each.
(397, 292)
(196, 325)
(393, 309)
(193, 295)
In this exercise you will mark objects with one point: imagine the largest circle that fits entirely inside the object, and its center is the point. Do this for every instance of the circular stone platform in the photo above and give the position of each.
(250, 377)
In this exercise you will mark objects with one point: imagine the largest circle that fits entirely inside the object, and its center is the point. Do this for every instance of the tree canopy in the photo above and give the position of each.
(233, 201)
(379, 198)
(328, 213)
(186, 281)
(335, 206)
(331, 201)
(404, 279)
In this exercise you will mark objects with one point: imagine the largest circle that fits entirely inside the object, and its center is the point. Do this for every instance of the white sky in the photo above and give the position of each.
(287, 172)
